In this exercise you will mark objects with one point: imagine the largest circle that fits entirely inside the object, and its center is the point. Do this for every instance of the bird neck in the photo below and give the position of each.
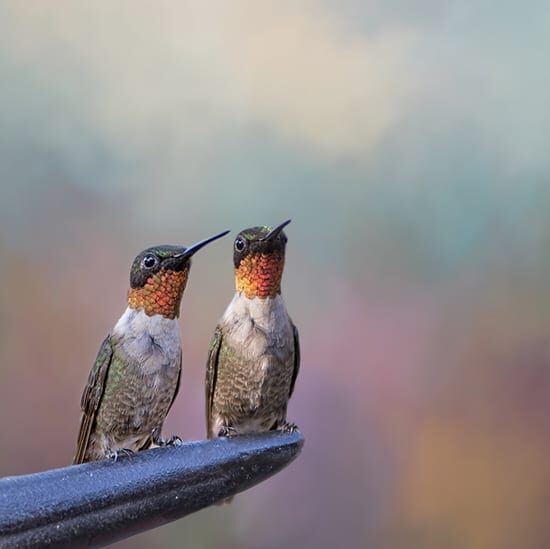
(259, 275)
(161, 294)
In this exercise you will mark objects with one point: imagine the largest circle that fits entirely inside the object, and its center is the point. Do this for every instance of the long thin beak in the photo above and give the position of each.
(196, 247)
(274, 232)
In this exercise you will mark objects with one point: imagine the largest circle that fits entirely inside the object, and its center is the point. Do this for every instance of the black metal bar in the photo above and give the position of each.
(102, 502)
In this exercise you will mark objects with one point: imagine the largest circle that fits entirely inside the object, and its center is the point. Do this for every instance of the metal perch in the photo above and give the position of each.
(102, 502)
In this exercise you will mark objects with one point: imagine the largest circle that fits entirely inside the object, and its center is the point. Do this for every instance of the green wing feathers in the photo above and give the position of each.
(211, 374)
(296, 360)
(92, 397)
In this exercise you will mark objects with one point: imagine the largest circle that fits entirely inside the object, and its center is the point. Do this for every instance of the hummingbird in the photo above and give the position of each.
(136, 375)
(254, 355)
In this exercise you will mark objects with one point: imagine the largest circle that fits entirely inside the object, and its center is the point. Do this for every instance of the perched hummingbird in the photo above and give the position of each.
(254, 355)
(136, 375)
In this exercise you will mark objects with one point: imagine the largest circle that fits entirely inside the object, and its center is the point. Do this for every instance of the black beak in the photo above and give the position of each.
(196, 247)
(274, 232)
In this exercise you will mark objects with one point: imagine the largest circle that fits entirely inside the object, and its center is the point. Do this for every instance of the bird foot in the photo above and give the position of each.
(227, 431)
(174, 440)
(120, 452)
(287, 427)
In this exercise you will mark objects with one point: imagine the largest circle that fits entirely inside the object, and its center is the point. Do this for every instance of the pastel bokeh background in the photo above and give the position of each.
(408, 141)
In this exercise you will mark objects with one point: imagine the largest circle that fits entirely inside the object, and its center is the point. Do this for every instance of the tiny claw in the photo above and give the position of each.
(227, 431)
(287, 427)
(116, 454)
(174, 440)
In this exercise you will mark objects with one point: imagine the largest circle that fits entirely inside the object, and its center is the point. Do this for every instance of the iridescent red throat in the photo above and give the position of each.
(259, 275)
(161, 294)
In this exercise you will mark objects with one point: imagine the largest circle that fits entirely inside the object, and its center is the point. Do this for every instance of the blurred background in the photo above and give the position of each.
(408, 143)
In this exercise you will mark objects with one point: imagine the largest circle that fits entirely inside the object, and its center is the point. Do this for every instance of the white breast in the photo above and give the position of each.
(246, 319)
(152, 341)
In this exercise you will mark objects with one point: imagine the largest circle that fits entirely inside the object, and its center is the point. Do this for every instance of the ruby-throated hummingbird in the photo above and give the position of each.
(254, 355)
(136, 375)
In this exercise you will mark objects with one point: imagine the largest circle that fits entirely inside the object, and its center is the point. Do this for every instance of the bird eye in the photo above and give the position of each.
(240, 244)
(149, 261)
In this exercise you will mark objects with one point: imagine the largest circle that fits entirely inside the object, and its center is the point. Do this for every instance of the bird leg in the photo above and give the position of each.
(227, 431)
(287, 427)
(174, 440)
(120, 452)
